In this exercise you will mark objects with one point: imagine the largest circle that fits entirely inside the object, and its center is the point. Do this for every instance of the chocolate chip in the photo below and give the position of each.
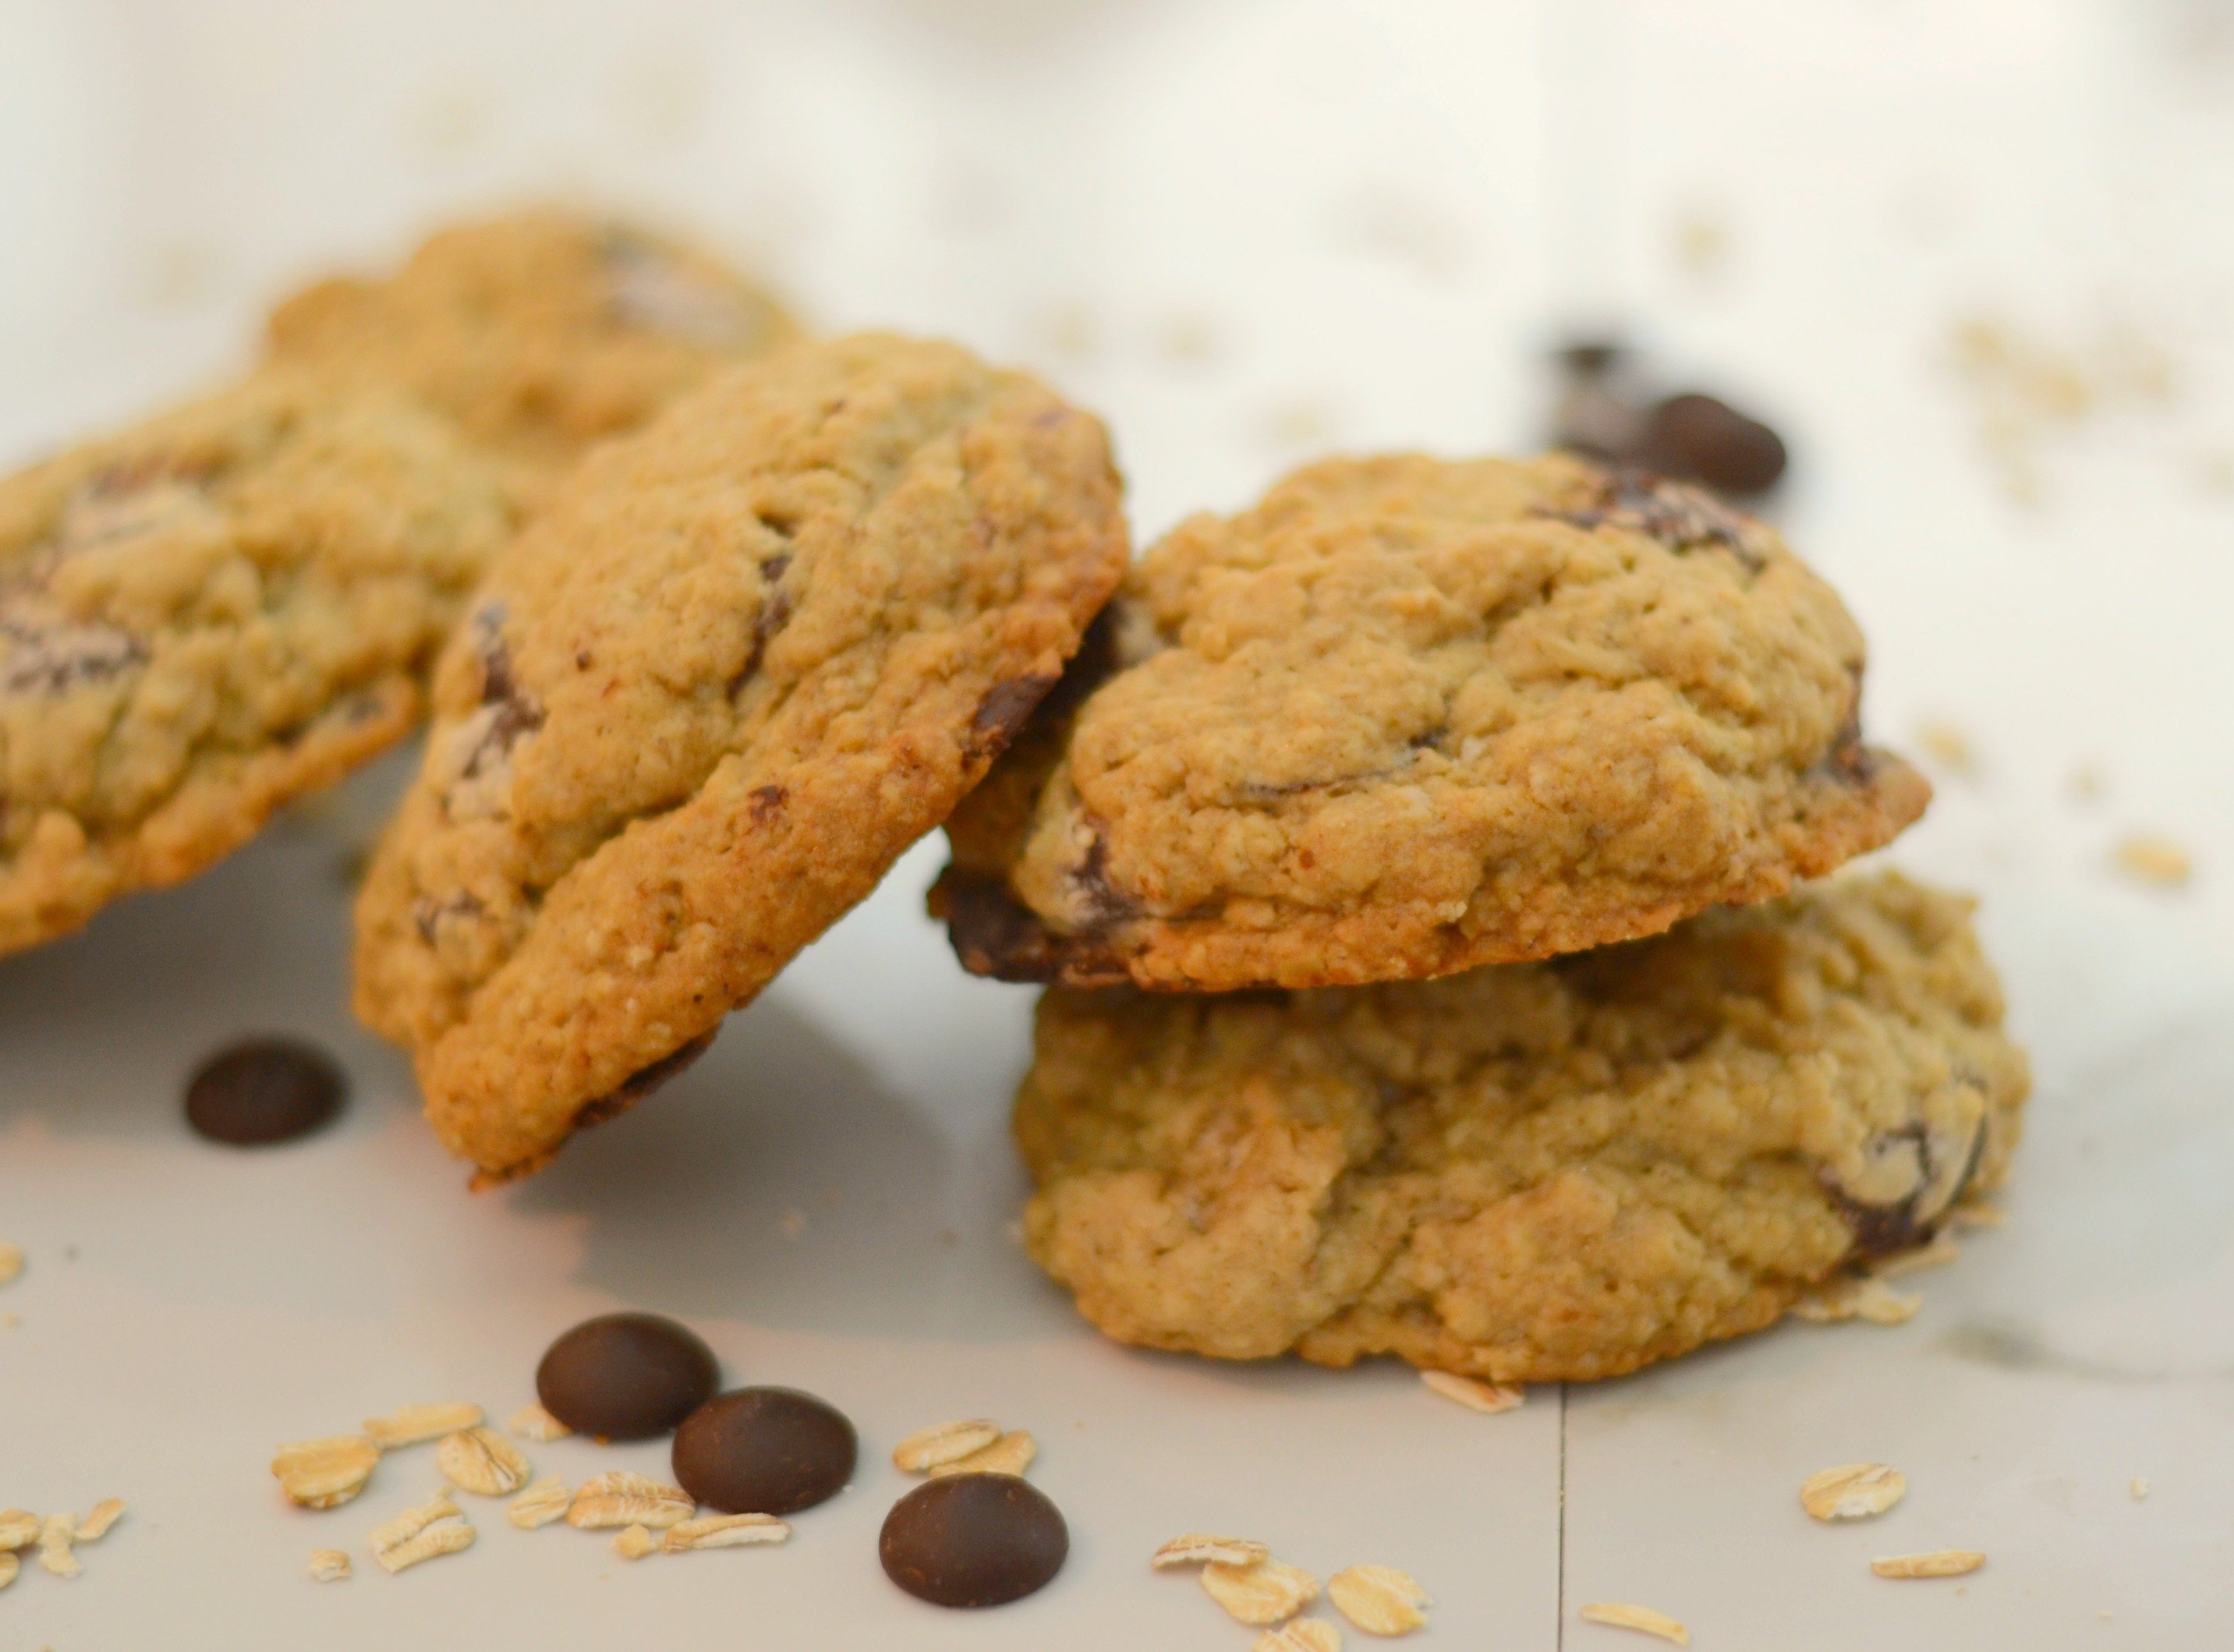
(517, 714)
(53, 659)
(764, 1451)
(265, 1090)
(1005, 709)
(625, 1376)
(973, 1540)
(1702, 438)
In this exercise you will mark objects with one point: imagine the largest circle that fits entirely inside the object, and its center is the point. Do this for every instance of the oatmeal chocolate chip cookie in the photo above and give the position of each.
(1407, 717)
(539, 333)
(210, 613)
(1529, 1172)
(739, 662)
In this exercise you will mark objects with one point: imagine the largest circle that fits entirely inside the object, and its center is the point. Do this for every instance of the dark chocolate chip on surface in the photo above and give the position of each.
(625, 1376)
(262, 1091)
(973, 1540)
(764, 1451)
(1702, 439)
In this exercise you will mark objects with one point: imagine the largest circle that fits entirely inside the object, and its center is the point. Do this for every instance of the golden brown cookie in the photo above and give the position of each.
(738, 664)
(540, 333)
(210, 613)
(1407, 717)
(1529, 1172)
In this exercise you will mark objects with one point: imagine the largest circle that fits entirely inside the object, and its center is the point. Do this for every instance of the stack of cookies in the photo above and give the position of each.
(1419, 862)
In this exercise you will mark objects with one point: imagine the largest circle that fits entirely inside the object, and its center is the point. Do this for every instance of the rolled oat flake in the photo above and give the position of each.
(262, 1091)
(973, 1540)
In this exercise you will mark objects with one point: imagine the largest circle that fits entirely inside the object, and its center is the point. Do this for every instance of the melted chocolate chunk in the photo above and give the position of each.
(642, 1084)
(1702, 439)
(625, 1376)
(996, 935)
(1882, 1230)
(1682, 518)
(1002, 714)
(973, 1540)
(264, 1091)
(764, 1451)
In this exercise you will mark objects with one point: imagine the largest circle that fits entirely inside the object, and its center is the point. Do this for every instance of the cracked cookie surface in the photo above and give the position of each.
(208, 614)
(538, 332)
(1408, 716)
(1529, 1172)
(739, 664)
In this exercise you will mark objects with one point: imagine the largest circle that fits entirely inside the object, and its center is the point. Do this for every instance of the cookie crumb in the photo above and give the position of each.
(2087, 785)
(99, 1518)
(794, 1224)
(725, 1532)
(2139, 1488)
(1940, 1563)
(532, 1422)
(410, 1424)
(1305, 1635)
(1852, 1492)
(1848, 1297)
(12, 1263)
(636, 1543)
(1380, 1600)
(1618, 1614)
(1267, 1592)
(1200, 1549)
(1012, 1453)
(1949, 746)
(482, 1461)
(2153, 859)
(1488, 1398)
(329, 1565)
(943, 1442)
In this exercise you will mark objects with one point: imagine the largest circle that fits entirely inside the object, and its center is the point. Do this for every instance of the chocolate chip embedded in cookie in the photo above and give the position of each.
(1407, 717)
(738, 664)
(210, 613)
(538, 332)
(1529, 1172)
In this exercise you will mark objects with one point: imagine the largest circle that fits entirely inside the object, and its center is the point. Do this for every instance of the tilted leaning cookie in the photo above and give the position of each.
(738, 663)
(1408, 716)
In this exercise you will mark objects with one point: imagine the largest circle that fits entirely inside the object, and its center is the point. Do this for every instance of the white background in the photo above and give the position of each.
(1245, 231)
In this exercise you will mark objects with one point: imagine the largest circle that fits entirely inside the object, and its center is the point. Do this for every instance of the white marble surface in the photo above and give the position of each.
(1245, 229)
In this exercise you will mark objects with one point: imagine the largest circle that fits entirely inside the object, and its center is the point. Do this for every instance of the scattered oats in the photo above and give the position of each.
(636, 1543)
(2153, 859)
(415, 1520)
(1489, 1398)
(433, 1528)
(1853, 1492)
(622, 1498)
(10, 1321)
(19, 1529)
(1268, 1592)
(794, 1224)
(1847, 1297)
(56, 1533)
(1380, 1600)
(482, 1461)
(532, 1422)
(1187, 340)
(945, 1442)
(1199, 1549)
(326, 1473)
(1295, 423)
(1305, 1635)
(1941, 1251)
(97, 1521)
(1940, 1563)
(413, 1424)
(2087, 785)
(1979, 1215)
(540, 1505)
(9, 1567)
(1615, 1615)
(329, 1565)
(1012, 1453)
(726, 1531)
(1702, 243)
(2139, 1488)
(12, 1263)
(1950, 746)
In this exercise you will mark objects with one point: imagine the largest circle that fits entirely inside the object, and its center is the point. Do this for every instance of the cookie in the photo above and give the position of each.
(1529, 1172)
(539, 333)
(739, 663)
(208, 614)
(1407, 717)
